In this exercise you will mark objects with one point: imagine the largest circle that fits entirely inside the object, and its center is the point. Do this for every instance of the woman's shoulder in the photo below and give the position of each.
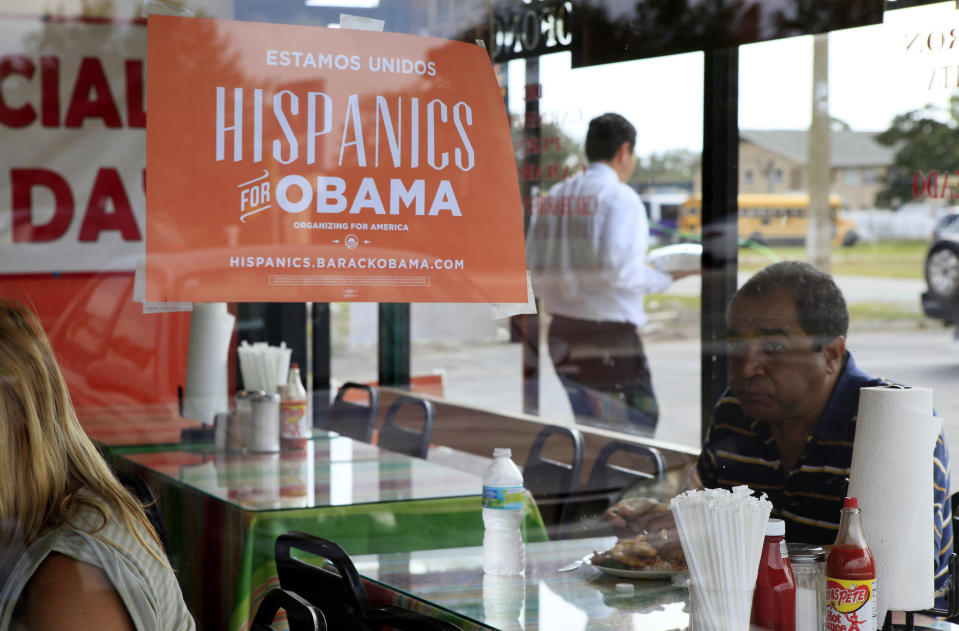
(146, 583)
(64, 593)
(45, 562)
(95, 536)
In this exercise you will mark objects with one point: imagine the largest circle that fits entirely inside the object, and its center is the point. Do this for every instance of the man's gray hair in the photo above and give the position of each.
(819, 302)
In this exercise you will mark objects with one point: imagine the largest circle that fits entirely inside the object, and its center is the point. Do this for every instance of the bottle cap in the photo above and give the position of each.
(294, 365)
(850, 502)
(502, 451)
(775, 528)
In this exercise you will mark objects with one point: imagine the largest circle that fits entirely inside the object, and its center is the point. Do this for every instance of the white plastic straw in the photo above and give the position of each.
(721, 533)
(264, 367)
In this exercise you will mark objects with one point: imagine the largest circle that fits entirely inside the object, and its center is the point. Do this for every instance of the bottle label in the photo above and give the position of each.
(294, 472)
(850, 605)
(503, 497)
(783, 550)
(295, 424)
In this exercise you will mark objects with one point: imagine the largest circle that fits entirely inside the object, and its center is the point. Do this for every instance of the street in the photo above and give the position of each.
(927, 358)
(488, 374)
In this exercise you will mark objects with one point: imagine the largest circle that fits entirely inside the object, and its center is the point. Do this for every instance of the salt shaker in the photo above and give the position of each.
(809, 569)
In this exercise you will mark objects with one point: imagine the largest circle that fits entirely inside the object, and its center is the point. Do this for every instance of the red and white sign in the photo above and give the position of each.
(72, 128)
(290, 163)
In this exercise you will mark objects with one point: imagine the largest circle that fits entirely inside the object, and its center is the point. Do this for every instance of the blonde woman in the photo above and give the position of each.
(76, 549)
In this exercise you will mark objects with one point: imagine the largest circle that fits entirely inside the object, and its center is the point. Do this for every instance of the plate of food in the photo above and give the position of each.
(646, 557)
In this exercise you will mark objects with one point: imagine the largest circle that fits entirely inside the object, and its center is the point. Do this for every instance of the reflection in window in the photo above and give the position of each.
(555, 612)
(341, 473)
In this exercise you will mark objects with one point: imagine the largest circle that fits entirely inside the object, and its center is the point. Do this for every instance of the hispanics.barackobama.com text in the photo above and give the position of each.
(345, 262)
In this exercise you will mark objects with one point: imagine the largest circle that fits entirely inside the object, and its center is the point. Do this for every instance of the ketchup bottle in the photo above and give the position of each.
(774, 600)
(850, 576)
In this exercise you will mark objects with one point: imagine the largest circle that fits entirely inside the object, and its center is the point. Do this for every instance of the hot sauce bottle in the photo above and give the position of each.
(774, 599)
(850, 576)
(296, 427)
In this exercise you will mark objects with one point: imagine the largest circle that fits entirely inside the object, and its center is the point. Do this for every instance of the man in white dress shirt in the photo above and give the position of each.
(586, 248)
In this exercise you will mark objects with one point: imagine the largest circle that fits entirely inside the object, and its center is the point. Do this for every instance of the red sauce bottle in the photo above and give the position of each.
(774, 600)
(850, 576)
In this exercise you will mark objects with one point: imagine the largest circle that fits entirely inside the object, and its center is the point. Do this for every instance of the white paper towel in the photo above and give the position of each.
(204, 394)
(891, 475)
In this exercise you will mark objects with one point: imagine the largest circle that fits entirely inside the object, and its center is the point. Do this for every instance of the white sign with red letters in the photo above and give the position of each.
(73, 132)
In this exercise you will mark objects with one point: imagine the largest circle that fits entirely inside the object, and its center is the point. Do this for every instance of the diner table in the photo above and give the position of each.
(222, 512)
(450, 584)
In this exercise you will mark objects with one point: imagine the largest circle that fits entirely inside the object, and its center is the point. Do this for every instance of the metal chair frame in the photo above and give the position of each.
(606, 481)
(300, 615)
(612, 477)
(403, 439)
(341, 596)
(350, 419)
(554, 484)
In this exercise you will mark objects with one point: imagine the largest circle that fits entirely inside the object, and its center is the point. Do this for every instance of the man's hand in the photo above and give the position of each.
(640, 515)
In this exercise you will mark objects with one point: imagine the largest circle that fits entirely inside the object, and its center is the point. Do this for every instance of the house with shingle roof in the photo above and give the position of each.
(776, 160)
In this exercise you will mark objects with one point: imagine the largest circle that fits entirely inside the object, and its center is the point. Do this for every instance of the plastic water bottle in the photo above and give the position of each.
(503, 549)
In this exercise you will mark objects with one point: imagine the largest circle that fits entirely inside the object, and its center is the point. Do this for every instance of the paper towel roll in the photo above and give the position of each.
(891, 475)
(205, 391)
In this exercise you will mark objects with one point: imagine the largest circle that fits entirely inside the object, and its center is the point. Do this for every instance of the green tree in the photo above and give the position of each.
(926, 141)
(673, 166)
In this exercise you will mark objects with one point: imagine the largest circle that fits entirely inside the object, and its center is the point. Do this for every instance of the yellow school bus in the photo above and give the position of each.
(771, 218)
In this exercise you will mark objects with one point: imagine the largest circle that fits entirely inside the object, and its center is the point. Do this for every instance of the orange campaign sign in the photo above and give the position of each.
(291, 163)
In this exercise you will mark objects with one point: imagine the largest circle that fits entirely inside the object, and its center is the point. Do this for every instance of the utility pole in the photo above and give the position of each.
(819, 228)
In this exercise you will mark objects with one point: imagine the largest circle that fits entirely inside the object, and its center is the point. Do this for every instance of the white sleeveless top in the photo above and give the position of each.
(148, 588)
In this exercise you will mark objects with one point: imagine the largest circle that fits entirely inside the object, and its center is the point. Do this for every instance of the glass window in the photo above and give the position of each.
(479, 351)
(73, 222)
(868, 100)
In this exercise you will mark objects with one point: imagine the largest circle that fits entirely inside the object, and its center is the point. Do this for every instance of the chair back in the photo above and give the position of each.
(554, 483)
(404, 439)
(353, 419)
(300, 615)
(618, 465)
(340, 595)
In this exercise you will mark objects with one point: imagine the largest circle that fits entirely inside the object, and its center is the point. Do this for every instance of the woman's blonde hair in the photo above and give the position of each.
(46, 459)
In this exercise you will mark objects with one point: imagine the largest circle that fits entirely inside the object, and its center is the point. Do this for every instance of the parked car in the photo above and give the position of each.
(941, 300)
(944, 222)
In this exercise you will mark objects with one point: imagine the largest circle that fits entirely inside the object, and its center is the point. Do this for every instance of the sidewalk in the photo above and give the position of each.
(854, 288)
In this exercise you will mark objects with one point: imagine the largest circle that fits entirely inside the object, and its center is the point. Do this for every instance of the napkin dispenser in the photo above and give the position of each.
(205, 392)
(891, 474)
